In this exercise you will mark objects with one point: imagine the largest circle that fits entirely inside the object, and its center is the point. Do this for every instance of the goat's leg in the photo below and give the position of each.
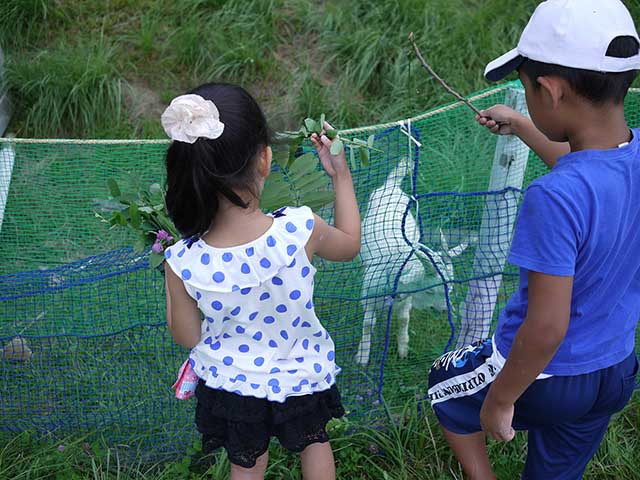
(404, 313)
(368, 324)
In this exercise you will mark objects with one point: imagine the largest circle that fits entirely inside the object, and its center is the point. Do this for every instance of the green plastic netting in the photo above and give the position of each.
(92, 313)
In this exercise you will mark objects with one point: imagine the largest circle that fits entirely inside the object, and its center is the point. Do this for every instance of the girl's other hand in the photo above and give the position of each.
(334, 165)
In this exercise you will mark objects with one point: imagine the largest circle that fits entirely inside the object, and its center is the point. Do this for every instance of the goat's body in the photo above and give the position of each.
(391, 265)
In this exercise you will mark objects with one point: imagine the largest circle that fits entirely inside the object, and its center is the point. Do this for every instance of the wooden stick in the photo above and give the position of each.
(440, 80)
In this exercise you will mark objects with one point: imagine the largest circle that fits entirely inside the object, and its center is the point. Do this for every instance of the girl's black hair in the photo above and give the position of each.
(199, 173)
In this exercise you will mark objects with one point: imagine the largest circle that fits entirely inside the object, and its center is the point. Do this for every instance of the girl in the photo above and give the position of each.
(265, 363)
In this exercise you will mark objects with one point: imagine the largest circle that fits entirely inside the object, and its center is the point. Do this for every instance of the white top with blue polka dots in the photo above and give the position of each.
(260, 334)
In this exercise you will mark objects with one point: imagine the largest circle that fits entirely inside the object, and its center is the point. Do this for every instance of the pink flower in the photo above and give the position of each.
(157, 247)
(169, 239)
(162, 235)
(61, 448)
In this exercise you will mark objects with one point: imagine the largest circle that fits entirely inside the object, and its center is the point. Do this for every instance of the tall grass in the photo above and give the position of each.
(350, 60)
(408, 445)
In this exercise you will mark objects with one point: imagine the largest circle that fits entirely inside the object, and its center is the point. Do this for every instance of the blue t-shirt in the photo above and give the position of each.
(583, 220)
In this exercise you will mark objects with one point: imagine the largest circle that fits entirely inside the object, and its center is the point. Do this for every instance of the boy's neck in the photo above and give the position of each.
(598, 128)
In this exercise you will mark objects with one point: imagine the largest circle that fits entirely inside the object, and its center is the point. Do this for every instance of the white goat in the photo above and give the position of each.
(384, 251)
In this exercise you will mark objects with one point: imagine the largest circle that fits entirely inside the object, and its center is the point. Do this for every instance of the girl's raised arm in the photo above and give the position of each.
(341, 242)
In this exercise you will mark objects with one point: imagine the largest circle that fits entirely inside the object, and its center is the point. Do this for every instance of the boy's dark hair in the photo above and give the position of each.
(197, 173)
(597, 87)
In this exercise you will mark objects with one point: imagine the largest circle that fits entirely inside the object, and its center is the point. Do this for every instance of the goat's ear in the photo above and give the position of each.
(454, 252)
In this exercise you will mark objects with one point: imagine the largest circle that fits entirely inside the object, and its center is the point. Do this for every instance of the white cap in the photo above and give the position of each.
(571, 33)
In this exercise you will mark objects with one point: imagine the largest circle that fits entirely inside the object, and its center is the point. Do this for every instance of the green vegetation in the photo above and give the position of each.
(86, 69)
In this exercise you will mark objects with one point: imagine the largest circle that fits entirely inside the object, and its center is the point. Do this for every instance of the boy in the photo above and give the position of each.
(562, 359)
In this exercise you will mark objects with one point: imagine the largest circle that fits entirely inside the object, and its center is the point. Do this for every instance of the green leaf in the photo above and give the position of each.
(312, 125)
(364, 157)
(134, 215)
(114, 190)
(370, 140)
(155, 259)
(331, 134)
(322, 120)
(336, 147)
(352, 159)
(292, 152)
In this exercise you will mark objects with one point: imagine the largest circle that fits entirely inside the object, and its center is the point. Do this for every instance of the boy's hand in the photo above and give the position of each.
(333, 164)
(496, 420)
(500, 119)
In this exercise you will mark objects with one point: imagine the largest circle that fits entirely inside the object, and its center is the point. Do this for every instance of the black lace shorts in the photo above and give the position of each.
(245, 425)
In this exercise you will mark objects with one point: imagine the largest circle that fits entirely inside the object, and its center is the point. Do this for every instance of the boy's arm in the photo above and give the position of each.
(533, 348)
(503, 120)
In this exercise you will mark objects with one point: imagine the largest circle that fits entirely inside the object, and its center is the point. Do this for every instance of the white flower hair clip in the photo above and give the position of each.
(190, 117)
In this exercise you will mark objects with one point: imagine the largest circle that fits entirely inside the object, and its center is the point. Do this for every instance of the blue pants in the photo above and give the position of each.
(566, 417)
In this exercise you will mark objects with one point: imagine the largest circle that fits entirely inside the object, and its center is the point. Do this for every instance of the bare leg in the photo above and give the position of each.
(368, 323)
(471, 452)
(317, 462)
(404, 313)
(255, 473)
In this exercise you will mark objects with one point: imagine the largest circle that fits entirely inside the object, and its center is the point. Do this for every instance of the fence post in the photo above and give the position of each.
(494, 239)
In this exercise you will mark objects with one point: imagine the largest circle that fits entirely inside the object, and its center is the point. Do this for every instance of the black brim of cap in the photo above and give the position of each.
(503, 66)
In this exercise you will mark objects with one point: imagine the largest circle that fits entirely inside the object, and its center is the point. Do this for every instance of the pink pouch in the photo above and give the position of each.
(185, 386)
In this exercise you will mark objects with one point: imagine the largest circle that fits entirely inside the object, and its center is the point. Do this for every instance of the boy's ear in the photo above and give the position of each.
(553, 88)
(264, 163)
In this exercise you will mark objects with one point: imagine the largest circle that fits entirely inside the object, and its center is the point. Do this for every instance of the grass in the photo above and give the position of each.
(113, 66)
(407, 445)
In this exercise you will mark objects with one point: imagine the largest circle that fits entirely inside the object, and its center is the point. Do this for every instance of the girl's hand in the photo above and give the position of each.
(334, 165)
(500, 119)
(496, 420)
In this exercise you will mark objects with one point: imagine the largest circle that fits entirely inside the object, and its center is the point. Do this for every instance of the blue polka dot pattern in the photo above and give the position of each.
(235, 311)
(306, 325)
(243, 348)
(296, 322)
(245, 269)
(273, 344)
(235, 288)
(305, 271)
(309, 224)
(213, 370)
(328, 378)
(331, 355)
(318, 334)
(290, 227)
(257, 336)
(264, 296)
(218, 277)
(317, 367)
(216, 346)
(186, 274)
(269, 319)
(291, 249)
(300, 359)
(284, 334)
(255, 386)
(216, 305)
(167, 254)
(265, 263)
(198, 295)
(316, 347)
(245, 291)
(253, 316)
(271, 241)
(274, 381)
(282, 308)
(309, 305)
(241, 378)
(249, 251)
(227, 360)
(209, 319)
(181, 253)
(258, 361)
(277, 281)
(227, 257)
(205, 259)
(305, 344)
(240, 330)
(295, 295)
(292, 264)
